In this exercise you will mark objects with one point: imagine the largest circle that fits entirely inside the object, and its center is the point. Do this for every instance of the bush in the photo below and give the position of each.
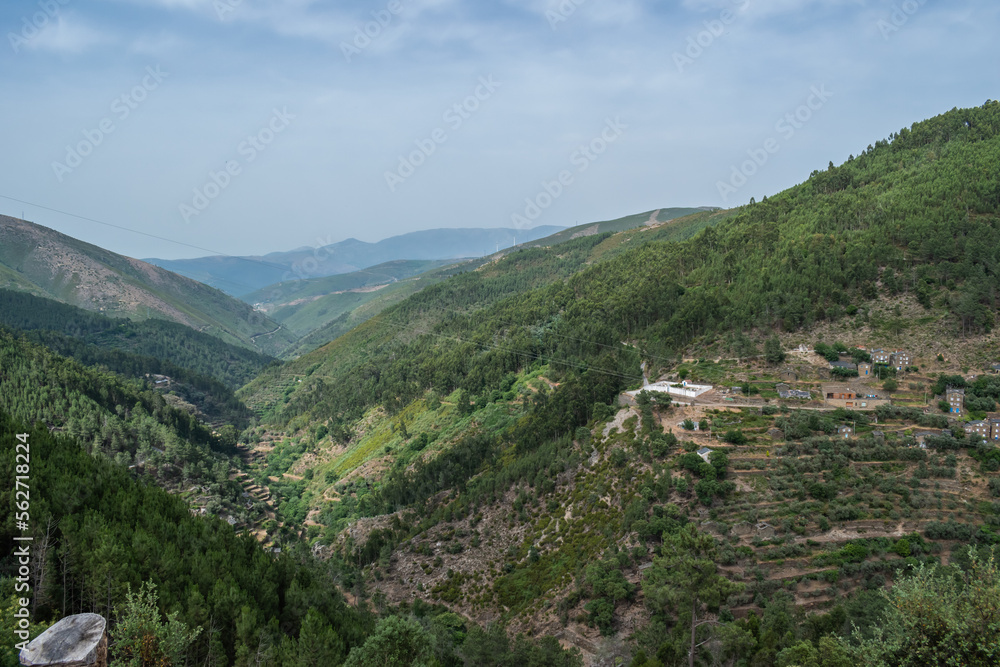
(735, 437)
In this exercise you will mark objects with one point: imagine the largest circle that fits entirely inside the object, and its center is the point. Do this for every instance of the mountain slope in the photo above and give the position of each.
(306, 305)
(339, 313)
(488, 399)
(647, 219)
(44, 262)
(502, 279)
(242, 275)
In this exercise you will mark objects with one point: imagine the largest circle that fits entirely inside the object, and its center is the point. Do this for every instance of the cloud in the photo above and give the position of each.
(67, 34)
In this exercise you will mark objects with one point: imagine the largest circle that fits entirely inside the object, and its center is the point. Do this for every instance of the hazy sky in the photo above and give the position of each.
(247, 126)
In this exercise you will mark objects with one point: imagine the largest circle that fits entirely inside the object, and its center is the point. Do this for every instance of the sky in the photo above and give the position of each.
(196, 127)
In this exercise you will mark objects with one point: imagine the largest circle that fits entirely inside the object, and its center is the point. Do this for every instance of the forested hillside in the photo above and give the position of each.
(916, 213)
(467, 438)
(100, 535)
(43, 262)
(166, 341)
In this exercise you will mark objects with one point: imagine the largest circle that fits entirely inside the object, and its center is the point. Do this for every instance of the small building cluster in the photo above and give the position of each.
(900, 360)
(987, 429)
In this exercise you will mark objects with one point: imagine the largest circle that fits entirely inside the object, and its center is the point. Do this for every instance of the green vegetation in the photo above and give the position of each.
(130, 348)
(119, 534)
(936, 617)
(43, 262)
(305, 306)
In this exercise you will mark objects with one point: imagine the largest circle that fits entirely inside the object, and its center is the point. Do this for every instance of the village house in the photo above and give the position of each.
(979, 428)
(994, 429)
(788, 375)
(838, 392)
(996, 368)
(921, 438)
(901, 360)
(881, 357)
(841, 395)
(956, 400)
(864, 369)
(704, 453)
(846, 431)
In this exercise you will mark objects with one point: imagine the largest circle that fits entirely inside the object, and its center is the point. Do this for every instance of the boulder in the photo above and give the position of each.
(75, 641)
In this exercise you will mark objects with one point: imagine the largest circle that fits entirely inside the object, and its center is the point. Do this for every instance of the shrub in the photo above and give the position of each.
(735, 437)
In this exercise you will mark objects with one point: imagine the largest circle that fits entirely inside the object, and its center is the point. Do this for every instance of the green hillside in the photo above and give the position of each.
(480, 410)
(306, 305)
(648, 219)
(142, 350)
(43, 262)
(213, 596)
(915, 214)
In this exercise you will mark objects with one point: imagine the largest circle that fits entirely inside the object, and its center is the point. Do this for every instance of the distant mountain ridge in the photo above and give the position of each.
(240, 276)
(47, 263)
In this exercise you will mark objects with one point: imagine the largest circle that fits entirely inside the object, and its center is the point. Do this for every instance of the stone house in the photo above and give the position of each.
(901, 360)
(839, 392)
(978, 428)
(956, 400)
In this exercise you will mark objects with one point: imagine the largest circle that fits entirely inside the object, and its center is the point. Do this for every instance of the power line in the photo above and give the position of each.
(136, 231)
(519, 352)
(258, 262)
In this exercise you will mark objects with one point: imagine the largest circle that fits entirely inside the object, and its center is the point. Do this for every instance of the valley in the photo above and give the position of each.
(689, 433)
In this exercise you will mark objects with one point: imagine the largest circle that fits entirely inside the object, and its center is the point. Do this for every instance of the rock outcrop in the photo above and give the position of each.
(75, 641)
